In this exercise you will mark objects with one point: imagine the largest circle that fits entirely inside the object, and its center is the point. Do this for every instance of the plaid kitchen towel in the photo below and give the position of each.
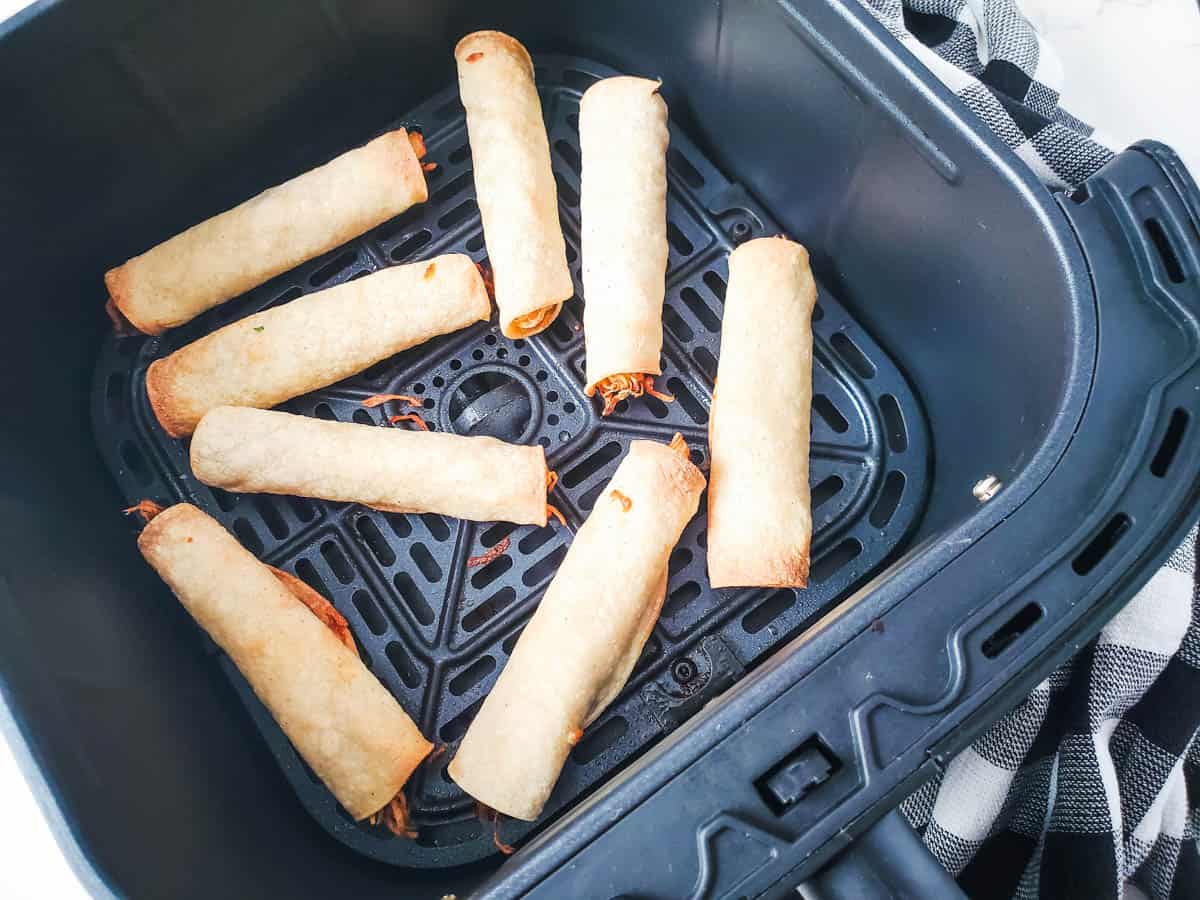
(1090, 788)
(993, 59)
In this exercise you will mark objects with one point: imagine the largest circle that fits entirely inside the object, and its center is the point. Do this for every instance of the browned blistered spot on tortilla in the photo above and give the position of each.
(574, 736)
(429, 270)
(626, 503)
(475, 57)
(428, 166)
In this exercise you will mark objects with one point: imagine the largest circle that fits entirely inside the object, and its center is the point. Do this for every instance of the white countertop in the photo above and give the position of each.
(1132, 67)
(1133, 71)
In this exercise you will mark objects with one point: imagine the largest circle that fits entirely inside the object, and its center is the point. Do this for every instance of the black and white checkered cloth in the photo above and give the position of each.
(1004, 72)
(1090, 788)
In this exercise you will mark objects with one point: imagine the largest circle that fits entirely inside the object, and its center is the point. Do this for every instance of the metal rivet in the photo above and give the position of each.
(986, 488)
(683, 671)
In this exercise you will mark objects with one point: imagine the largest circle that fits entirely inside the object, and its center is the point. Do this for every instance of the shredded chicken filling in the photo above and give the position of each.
(624, 385)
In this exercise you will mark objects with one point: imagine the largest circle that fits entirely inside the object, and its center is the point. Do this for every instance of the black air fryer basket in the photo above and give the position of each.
(1006, 384)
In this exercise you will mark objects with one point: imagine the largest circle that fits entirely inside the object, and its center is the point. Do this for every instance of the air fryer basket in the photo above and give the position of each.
(437, 632)
(1048, 342)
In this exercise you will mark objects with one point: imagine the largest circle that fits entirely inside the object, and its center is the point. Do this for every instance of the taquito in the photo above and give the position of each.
(514, 184)
(479, 478)
(623, 202)
(316, 340)
(282, 227)
(579, 648)
(759, 515)
(341, 720)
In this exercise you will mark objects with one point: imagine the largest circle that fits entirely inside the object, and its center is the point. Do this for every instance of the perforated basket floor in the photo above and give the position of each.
(436, 632)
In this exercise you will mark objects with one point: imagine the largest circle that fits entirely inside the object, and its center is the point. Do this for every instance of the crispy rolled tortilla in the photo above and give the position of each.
(282, 227)
(623, 201)
(759, 517)
(479, 478)
(345, 724)
(316, 340)
(580, 646)
(514, 185)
